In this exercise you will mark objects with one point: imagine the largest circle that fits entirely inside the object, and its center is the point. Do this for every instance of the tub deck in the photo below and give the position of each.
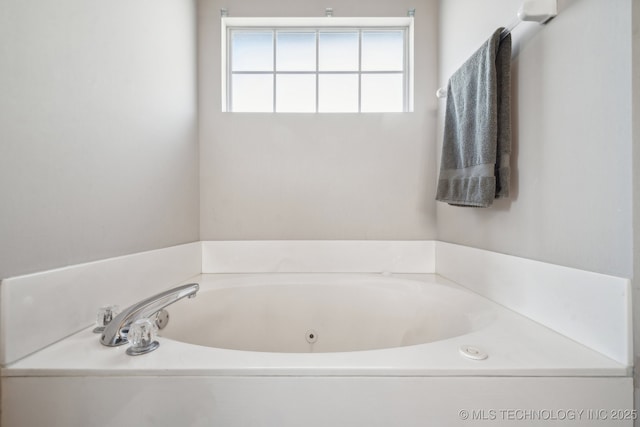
(532, 376)
(517, 347)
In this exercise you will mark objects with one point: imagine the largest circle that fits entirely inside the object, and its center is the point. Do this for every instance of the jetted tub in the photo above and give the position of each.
(319, 313)
(323, 349)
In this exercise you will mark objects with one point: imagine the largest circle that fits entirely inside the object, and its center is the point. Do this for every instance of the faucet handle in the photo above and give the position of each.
(142, 336)
(105, 316)
(116, 332)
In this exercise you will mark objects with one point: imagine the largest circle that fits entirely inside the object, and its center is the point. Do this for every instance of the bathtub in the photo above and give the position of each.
(324, 349)
(321, 314)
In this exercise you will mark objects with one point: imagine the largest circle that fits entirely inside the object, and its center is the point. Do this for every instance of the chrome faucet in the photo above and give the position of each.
(115, 333)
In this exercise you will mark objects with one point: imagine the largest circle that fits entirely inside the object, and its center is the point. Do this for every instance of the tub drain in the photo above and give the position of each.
(472, 352)
(311, 336)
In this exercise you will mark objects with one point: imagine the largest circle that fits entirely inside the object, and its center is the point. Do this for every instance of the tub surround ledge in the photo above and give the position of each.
(564, 344)
(591, 308)
(37, 310)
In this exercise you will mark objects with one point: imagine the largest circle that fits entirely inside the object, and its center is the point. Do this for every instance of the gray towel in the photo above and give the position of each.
(477, 130)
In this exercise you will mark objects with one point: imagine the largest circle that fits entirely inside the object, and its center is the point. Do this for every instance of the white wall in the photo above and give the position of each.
(98, 130)
(636, 191)
(317, 176)
(571, 166)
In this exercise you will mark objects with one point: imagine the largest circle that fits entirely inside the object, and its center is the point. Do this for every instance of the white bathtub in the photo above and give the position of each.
(386, 351)
(320, 313)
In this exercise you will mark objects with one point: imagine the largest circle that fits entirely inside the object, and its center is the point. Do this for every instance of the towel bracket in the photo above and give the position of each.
(540, 11)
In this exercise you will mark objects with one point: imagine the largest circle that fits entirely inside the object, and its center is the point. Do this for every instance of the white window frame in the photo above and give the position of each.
(337, 23)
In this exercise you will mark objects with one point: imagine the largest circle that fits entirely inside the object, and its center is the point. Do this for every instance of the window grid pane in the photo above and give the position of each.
(338, 93)
(381, 92)
(332, 60)
(252, 93)
(295, 51)
(296, 93)
(339, 51)
(382, 50)
(252, 51)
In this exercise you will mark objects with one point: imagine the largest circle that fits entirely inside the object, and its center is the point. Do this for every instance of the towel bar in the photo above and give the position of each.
(540, 11)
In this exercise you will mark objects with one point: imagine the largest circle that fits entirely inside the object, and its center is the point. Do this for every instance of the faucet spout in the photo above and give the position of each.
(115, 333)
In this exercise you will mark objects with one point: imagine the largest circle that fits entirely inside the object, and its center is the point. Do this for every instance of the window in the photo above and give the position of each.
(325, 65)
